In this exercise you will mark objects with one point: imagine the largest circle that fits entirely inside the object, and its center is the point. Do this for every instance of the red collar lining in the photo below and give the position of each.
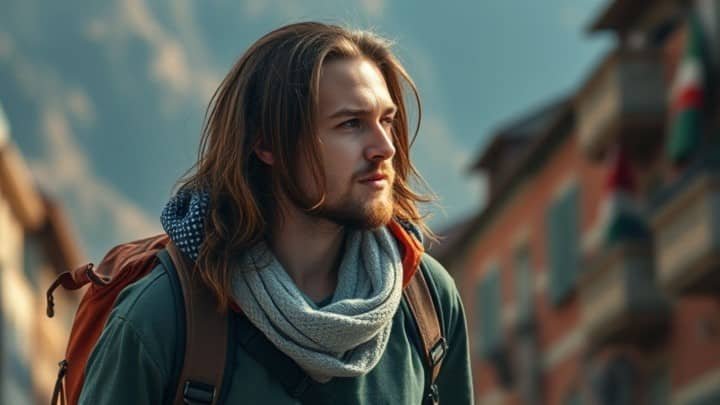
(410, 248)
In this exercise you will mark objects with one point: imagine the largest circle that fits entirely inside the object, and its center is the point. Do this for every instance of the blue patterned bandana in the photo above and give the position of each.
(183, 219)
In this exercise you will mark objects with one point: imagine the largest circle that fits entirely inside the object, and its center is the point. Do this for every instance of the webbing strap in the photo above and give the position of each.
(206, 343)
(205, 338)
(281, 367)
(419, 299)
(300, 386)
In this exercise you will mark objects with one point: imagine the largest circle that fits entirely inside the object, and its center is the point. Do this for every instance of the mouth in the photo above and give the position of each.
(377, 180)
(377, 176)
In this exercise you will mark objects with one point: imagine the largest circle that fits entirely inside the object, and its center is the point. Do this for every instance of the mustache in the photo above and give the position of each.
(384, 168)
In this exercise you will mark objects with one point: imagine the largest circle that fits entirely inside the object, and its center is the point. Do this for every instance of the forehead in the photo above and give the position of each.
(353, 84)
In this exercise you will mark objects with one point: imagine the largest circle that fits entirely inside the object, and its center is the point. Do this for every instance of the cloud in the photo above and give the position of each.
(101, 212)
(574, 16)
(443, 163)
(373, 8)
(282, 8)
(323, 10)
(179, 60)
(170, 64)
(6, 46)
(97, 30)
(80, 105)
(44, 85)
(96, 205)
(437, 152)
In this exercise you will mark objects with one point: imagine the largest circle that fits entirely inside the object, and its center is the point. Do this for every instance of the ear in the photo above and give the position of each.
(264, 155)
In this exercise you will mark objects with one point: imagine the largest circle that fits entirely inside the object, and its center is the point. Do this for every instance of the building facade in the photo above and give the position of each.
(592, 276)
(35, 245)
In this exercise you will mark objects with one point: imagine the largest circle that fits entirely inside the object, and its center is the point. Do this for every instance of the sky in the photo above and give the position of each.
(106, 99)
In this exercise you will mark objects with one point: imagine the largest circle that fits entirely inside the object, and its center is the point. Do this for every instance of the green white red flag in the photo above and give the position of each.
(620, 218)
(687, 97)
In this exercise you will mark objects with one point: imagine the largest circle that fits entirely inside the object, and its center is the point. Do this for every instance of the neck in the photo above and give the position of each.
(309, 249)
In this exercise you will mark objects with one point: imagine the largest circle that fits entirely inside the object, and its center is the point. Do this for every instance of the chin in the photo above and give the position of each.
(377, 215)
(371, 215)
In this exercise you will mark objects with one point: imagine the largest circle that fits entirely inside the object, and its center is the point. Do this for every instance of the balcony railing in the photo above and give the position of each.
(619, 298)
(623, 101)
(687, 233)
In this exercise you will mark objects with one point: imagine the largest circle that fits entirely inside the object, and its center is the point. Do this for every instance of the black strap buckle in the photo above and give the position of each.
(197, 393)
(433, 396)
(438, 352)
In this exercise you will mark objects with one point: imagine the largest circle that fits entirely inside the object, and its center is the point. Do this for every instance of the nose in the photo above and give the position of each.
(381, 146)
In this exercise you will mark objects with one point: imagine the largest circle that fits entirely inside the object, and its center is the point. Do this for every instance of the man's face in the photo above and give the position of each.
(355, 118)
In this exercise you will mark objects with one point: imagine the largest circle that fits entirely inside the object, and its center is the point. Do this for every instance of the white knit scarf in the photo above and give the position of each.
(345, 338)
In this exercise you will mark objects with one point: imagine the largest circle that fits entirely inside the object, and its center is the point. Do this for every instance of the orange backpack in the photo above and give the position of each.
(122, 266)
(205, 328)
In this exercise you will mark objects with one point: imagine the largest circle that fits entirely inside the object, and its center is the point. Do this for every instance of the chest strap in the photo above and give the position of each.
(419, 299)
(207, 339)
(206, 331)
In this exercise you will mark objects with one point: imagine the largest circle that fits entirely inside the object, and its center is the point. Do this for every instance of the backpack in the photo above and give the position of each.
(206, 337)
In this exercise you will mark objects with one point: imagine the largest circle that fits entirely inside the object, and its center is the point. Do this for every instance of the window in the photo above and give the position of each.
(524, 291)
(573, 398)
(563, 241)
(659, 389)
(712, 398)
(487, 310)
(615, 383)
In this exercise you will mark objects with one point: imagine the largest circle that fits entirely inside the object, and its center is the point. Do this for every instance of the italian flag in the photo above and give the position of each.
(686, 97)
(620, 216)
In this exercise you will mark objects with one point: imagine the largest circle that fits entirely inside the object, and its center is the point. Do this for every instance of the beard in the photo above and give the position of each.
(356, 214)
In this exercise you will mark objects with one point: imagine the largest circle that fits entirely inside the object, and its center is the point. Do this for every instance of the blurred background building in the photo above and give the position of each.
(592, 275)
(37, 244)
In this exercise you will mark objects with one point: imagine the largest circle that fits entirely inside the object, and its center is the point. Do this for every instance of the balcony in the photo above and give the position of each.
(687, 229)
(623, 101)
(619, 300)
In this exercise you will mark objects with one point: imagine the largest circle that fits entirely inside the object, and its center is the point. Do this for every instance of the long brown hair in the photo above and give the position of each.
(269, 98)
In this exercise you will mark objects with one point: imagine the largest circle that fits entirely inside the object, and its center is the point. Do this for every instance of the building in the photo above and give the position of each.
(35, 245)
(592, 275)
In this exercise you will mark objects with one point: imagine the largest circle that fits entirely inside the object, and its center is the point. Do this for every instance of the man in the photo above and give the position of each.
(291, 217)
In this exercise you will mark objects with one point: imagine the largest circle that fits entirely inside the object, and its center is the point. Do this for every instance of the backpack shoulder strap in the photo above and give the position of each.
(419, 299)
(206, 338)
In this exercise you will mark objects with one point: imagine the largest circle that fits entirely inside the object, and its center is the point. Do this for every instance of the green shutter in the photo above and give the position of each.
(489, 313)
(573, 398)
(712, 398)
(554, 244)
(659, 388)
(524, 284)
(563, 226)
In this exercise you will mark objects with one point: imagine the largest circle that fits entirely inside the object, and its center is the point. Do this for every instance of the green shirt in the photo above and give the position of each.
(134, 360)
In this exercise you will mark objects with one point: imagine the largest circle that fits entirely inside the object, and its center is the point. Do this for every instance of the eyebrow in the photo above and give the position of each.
(354, 112)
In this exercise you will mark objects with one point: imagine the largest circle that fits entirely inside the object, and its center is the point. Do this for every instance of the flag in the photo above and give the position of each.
(620, 216)
(687, 96)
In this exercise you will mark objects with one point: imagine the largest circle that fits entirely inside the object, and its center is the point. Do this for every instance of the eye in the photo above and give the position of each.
(351, 124)
(388, 121)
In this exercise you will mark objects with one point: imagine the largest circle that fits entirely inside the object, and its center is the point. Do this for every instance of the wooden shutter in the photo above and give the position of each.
(563, 226)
